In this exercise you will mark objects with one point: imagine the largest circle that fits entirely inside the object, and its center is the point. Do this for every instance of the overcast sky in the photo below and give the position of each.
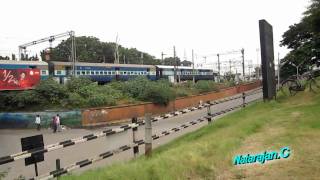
(207, 26)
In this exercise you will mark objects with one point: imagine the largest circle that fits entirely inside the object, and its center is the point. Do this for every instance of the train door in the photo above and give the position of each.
(68, 70)
(117, 73)
(148, 73)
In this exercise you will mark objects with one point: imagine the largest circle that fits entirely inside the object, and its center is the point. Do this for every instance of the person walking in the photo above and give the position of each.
(58, 123)
(38, 122)
(54, 124)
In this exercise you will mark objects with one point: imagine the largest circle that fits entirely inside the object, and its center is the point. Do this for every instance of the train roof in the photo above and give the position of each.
(101, 64)
(23, 62)
(182, 67)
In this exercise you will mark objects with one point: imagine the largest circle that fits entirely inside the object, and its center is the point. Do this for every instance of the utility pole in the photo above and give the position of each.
(205, 59)
(230, 66)
(193, 78)
(242, 52)
(258, 67)
(218, 67)
(175, 64)
(162, 54)
(73, 52)
(141, 57)
(278, 70)
(116, 54)
(124, 59)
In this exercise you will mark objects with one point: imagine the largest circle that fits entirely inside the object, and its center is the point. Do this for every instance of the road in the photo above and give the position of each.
(10, 142)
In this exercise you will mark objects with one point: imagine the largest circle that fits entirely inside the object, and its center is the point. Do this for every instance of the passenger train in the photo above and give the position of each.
(106, 72)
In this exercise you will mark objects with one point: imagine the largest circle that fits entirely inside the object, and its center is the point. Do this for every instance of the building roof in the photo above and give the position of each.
(101, 64)
(182, 67)
(23, 62)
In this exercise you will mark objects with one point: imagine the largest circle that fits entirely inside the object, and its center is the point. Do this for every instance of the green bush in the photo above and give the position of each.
(110, 91)
(135, 87)
(181, 92)
(52, 91)
(206, 86)
(87, 91)
(159, 93)
(75, 83)
(75, 100)
(101, 100)
(26, 98)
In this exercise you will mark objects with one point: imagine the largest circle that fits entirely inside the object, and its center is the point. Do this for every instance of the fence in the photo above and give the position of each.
(135, 143)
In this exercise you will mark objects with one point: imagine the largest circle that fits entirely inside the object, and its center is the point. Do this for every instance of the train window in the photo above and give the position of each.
(124, 72)
(121, 72)
(109, 72)
(83, 72)
(113, 72)
(43, 72)
(59, 72)
(101, 72)
(92, 72)
(78, 72)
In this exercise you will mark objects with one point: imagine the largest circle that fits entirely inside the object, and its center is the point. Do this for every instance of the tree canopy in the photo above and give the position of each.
(303, 39)
(91, 49)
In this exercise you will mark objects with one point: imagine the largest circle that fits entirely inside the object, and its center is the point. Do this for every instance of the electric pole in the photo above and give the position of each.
(278, 70)
(162, 54)
(116, 53)
(218, 67)
(242, 52)
(205, 59)
(175, 64)
(193, 78)
(141, 57)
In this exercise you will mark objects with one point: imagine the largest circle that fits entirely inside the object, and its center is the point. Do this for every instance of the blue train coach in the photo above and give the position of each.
(100, 72)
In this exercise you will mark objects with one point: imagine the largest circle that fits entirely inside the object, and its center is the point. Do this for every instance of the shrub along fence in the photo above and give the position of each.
(104, 115)
(101, 116)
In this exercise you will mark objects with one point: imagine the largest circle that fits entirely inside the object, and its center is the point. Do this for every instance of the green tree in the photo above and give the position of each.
(91, 49)
(303, 39)
(170, 61)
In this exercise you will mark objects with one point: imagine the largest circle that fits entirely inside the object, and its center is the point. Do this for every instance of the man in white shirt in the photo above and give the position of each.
(58, 123)
(38, 122)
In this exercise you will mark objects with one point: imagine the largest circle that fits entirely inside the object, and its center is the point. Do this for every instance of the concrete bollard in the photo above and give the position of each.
(243, 100)
(208, 109)
(148, 135)
(134, 137)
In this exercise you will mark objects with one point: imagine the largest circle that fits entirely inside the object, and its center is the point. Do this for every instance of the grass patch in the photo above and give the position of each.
(208, 152)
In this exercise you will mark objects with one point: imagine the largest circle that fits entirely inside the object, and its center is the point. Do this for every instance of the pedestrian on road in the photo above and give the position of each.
(54, 124)
(58, 123)
(38, 122)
